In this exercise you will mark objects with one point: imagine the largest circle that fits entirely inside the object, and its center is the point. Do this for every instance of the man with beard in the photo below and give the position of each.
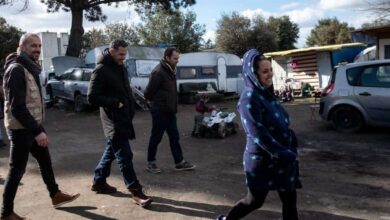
(110, 90)
(162, 92)
(23, 117)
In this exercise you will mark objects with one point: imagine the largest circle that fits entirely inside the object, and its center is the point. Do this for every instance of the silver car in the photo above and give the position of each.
(71, 86)
(358, 94)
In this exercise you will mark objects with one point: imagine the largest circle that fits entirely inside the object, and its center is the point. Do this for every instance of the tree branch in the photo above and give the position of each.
(99, 2)
(64, 2)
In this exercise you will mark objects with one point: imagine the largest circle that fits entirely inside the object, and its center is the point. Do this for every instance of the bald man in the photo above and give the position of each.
(23, 117)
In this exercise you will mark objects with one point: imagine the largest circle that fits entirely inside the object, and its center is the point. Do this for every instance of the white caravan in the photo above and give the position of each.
(213, 73)
(223, 69)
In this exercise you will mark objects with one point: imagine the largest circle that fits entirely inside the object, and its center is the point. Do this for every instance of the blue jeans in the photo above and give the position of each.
(119, 149)
(161, 122)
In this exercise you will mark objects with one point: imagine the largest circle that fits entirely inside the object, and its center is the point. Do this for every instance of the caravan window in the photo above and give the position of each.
(208, 71)
(233, 71)
(187, 73)
(145, 67)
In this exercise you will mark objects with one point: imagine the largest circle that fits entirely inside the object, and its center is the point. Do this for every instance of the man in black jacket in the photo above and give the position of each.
(23, 117)
(162, 92)
(110, 90)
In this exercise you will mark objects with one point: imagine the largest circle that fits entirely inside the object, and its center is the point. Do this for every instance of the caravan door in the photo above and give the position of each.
(221, 74)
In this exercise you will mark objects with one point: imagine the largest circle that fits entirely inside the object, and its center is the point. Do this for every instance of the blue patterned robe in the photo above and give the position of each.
(270, 157)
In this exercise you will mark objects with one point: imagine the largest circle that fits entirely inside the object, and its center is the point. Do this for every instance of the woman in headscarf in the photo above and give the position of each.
(270, 157)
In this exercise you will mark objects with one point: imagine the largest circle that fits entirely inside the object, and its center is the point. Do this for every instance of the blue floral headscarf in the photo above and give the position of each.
(248, 69)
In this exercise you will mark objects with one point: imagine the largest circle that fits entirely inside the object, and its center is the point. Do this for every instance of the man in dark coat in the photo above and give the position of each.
(23, 117)
(110, 90)
(162, 92)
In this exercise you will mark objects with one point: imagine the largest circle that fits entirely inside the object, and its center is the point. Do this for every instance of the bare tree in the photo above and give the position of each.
(380, 8)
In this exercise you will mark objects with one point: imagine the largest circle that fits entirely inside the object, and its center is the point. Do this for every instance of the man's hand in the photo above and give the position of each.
(42, 139)
(120, 105)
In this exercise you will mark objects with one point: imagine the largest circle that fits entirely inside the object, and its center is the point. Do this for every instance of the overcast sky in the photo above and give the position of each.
(304, 12)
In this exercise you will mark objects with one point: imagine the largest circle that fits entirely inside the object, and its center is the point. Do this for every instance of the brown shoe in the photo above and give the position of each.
(140, 198)
(14, 216)
(103, 188)
(61, 198)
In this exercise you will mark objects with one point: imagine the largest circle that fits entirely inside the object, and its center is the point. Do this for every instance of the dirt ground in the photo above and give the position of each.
(345, 176)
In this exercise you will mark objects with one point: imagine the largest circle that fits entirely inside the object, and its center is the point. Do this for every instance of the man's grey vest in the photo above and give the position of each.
(34, 103)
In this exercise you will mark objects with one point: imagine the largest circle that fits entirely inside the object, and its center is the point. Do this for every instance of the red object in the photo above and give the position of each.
(294, 64)
(328, 89)
(202, 107)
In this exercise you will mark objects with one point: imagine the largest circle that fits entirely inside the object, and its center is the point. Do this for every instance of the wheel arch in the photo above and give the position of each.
(357, 109)
(351, 105)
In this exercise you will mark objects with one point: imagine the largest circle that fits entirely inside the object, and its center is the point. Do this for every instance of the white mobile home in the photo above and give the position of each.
(222, 69)
(379, 36)
(200, 72)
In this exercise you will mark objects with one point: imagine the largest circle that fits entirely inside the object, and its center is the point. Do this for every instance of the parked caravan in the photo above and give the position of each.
(220, 69)
(212, 73)
(200, 73)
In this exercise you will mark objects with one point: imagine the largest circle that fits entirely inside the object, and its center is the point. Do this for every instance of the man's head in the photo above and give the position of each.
(30, 44)
(171, 56)
(118, 51)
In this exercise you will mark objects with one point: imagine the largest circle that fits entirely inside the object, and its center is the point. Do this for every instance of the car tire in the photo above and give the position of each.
(347, 119)
(53, 99)
(79, 105)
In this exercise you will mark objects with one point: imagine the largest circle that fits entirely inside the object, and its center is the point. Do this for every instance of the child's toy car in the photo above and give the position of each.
(218, 124)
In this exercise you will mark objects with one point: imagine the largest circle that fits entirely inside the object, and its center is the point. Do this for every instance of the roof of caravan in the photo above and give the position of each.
(207, 59)
(133, 52)
(374, 31)
(320, 48)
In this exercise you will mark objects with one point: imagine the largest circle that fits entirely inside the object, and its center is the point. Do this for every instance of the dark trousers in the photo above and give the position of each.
(161, 122)
(117, 148)
(254, 200)
(23, 143)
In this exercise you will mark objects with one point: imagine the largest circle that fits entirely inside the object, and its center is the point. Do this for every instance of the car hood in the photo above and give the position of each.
(63, 63)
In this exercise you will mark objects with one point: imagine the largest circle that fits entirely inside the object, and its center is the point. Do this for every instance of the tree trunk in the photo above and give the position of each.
(76, 33)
